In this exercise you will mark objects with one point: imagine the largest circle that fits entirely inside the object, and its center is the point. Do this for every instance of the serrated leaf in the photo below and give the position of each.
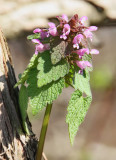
(57, 51)
(69, 76)
(81, 82)
(33, 36)
(23, 102)
(49, 72)
(32, 63)
(77, 109)
(40, 97)
(87, 57)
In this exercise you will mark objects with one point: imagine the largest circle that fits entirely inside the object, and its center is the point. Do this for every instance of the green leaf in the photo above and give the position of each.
(23, 102)
(70, 76)
(77, 109)
(81, 82)
(49, 72)
(33, 63)
(87, 57)
(57, 50)
(40, 97)
(33, 36)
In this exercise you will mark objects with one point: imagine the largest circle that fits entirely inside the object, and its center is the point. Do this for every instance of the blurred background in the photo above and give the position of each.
(96, 138)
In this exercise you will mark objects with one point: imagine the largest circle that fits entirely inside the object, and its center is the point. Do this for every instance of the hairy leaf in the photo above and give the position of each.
(49, 72)
(23, 102)
(33, 63)
(39, 97)
(81, 82)
(87, 57)
(77, 109)
(57, 50)
(70, 76)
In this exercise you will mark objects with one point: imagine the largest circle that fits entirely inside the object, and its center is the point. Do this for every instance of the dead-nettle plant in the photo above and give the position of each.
(62, 58)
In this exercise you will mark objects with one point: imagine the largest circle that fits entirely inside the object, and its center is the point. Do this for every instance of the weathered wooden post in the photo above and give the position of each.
(14, 144)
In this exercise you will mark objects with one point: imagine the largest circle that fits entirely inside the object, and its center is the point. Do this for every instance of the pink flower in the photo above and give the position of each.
(66, 31)
(77, 39)
(37, 30)
(64, 17)
(83, 19)
(36, 41)
(88, 34)
(52, 29)
(94, 51)
(43, 34)
(39, 46)
(93, 28)
(82, 51)
(83, 64)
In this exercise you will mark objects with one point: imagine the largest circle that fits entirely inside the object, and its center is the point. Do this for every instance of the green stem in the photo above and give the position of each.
(43, 132)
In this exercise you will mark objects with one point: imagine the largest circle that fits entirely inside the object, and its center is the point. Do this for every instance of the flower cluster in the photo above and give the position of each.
(73, 32)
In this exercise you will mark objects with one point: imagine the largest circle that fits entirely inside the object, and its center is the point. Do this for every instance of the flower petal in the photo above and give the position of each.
(65, 17)
(37, 30)
(83, 64)
(52, 29)
(76, 45)
(93, 28)
(83, 19)
(44, 34)
(94, 51)
(82, 51)
(78, 38)
(66, 31)
(51, 24)
(88, 34)
(36, 41)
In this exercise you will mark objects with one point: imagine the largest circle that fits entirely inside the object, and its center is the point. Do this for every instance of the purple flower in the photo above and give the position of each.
(77, 39)
(94, 51)
(83, 19)
(52, 29)
(39, 46)
(64, 17)
(37, 30)
(93, 28)
(83, 64)
(43, 34)
(72, 35)
(82, 51)
(36, 41)
(88, 34)
(66, 31)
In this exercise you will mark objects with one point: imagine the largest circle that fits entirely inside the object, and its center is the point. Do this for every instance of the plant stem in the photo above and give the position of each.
(43, 132)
